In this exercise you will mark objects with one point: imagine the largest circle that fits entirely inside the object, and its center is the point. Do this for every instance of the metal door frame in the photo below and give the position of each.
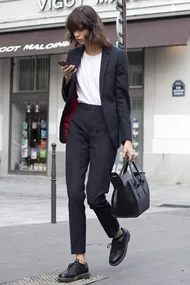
(142, 147)
(26, 97)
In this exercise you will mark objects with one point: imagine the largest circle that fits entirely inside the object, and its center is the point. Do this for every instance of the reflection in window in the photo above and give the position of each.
(26, 72)
(29, 136)
(136, 68)
(42, 73)
(31, 74)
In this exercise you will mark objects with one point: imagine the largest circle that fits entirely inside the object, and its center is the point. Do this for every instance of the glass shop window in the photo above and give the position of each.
(136, 59)
(29, 136)
(31, 74)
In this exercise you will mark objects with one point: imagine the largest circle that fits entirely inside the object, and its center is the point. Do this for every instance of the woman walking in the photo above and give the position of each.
(95, 121)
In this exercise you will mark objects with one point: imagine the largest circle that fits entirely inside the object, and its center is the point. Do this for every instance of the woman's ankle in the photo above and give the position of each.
(119, 234)
(81, 258)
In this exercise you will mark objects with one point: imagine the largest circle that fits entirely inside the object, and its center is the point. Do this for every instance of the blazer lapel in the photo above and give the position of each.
(103, 68)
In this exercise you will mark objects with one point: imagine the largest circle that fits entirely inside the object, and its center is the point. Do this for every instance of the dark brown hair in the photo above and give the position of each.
(85, 17)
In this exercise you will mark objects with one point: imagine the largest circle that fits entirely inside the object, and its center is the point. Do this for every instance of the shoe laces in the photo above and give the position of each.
(73, 264)
(109, 245)
(114, 242)
(114, 246)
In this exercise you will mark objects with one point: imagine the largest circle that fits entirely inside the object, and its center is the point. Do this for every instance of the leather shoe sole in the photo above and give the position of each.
(79, 277)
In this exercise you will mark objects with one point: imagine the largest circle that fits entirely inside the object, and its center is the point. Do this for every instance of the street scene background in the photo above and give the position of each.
(32, 42)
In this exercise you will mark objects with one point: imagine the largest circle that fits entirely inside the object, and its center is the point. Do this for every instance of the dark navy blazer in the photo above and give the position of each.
(114, 92)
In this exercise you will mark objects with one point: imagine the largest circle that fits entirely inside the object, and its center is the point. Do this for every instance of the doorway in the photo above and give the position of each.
(137, 130)
(29, 114)
(137, 114)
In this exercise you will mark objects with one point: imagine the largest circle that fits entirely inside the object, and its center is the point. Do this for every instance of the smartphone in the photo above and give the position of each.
(63, 63)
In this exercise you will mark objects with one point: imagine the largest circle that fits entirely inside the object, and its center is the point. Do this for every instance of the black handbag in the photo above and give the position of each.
(131, 195)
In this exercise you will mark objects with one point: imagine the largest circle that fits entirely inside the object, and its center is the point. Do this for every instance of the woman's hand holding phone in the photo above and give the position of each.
(68, 70)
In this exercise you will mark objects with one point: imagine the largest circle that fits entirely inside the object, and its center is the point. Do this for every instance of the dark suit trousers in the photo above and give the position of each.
(89, 142)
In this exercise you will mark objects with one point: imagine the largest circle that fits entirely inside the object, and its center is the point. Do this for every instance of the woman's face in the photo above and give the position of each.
(80, 35)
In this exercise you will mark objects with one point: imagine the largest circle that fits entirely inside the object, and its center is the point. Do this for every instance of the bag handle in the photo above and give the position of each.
(138, 172)
(127, 163)
(124, 167)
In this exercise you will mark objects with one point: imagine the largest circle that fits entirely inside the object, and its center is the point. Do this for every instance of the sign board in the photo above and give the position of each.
(46, 41)
(119, 28)
(61, 4)
(178, 89)
(48, 46)
(121, 24)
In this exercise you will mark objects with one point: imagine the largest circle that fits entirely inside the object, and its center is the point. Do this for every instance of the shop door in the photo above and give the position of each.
(137, 129)
(29, 136)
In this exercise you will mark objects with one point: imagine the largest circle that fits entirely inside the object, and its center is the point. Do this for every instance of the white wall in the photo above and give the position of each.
(56, 105)
(157, 8)
(4, 113)
(24, 14)
(166, 118)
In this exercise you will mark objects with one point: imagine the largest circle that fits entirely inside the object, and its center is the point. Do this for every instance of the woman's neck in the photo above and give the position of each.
(92, 49)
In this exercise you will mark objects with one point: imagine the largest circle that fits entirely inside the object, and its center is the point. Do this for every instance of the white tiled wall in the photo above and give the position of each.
(166, 118)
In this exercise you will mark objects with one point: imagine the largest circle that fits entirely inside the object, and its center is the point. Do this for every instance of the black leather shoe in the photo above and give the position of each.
(119, 248)
(74, 272)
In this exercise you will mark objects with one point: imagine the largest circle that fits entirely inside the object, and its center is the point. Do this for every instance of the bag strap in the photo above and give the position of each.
(127, 163)
(124, 167)
(138, 172)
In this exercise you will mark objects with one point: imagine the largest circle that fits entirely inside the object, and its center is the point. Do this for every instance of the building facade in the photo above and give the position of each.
(32, 41)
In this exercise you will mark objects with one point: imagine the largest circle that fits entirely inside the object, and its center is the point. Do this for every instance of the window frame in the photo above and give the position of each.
(142, 85)
(29, 97)
(35, 75)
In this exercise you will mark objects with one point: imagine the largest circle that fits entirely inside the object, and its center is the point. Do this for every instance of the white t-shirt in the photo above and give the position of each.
(88, 79)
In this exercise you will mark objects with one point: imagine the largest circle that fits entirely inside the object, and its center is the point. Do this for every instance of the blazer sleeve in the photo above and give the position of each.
(65, 88)
(122, 97)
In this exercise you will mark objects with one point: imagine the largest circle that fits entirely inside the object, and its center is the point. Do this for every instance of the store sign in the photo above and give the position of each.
(178, 89)
(7, 49)
(61, 4)
(58, 4)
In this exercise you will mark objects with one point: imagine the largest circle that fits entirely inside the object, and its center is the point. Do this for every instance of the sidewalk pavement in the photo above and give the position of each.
(159, 251)
(158, 254)
(27, 199)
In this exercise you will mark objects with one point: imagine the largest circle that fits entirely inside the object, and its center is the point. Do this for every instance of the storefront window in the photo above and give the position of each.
(29, 136)
(136, 68)
(30, 74)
